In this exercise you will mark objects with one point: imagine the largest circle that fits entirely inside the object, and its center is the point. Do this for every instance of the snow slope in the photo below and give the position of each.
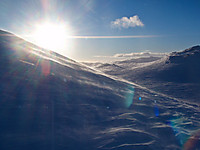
(48, 101)
(176, 75)
(116, 67)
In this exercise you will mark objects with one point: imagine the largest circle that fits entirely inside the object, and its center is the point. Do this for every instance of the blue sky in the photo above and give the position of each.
(174, 24)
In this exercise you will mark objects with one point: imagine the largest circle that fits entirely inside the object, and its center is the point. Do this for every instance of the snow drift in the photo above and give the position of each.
(48, 101)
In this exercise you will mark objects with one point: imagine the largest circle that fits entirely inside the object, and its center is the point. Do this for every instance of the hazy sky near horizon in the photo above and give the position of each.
(113, 25)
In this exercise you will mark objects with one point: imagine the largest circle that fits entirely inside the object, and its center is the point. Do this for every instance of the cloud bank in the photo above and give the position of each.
(126, 56)
(126, 22)
(141, 54)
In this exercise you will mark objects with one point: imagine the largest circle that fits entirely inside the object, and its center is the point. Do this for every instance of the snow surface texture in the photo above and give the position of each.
(50, 102)
(176, 75)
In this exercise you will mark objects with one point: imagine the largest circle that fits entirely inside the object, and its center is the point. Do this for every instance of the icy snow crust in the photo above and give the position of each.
(50, 102)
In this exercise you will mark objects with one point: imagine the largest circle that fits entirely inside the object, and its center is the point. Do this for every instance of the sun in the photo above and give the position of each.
(52, 36)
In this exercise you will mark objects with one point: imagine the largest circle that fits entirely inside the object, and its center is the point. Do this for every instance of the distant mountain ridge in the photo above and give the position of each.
(183, 66)
(176, 72)
(189, 55)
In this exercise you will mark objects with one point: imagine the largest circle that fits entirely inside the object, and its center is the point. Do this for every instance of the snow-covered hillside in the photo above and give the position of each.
(116, 67)
(176, 75)
(48, 101)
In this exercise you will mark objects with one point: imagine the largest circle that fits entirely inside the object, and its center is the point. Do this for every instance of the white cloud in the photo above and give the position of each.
(126, 56)
(142, 54)
(125, 22)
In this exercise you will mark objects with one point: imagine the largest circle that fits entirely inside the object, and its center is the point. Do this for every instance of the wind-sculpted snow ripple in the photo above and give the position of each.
(170, 129)
(48, 101)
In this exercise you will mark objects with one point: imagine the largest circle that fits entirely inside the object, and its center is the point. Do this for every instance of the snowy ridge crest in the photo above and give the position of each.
(188, 55)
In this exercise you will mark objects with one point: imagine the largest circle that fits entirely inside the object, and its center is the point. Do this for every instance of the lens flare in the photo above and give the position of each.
(156, 110)
(129, 96)
(193, 142)
(181, 134)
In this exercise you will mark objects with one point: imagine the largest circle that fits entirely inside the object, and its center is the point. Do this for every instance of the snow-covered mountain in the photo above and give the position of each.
(123, 65)
(48, 101)
(176, 74)
(185, 65)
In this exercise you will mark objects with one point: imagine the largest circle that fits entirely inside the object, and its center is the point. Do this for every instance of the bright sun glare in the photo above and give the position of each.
(51, 36)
